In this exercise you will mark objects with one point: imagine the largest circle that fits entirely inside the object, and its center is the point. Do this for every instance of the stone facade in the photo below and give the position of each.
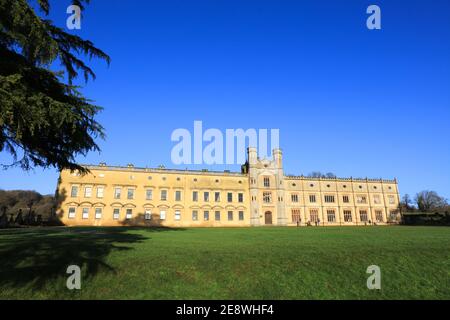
(260, 195)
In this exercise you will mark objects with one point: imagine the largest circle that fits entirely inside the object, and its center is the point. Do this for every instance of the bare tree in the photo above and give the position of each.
(406, 204)
(429, 200)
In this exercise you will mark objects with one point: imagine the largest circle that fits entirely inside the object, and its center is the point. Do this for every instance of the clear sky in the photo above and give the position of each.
(346, 99)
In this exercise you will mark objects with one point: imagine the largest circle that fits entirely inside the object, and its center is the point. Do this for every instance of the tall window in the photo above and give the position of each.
(312, 198)
(393, 215)
(100, 192)
(98, 213)
(148, 215)
(347, 216)
(116, 213)
(88, 192)
(163, 195)
(177, 215)
(376, 199)
(217, 197)
(267, 197)
(345, 199)
(129, 214)
(72, 211)
(149, 194)
(206, 215)
(206, 196)
(194, 215)
(329, 198)
(363, 216)
(331, 216)
(217, 215)
(117, 193)
(379, 216)
(314, 215)
(266, 182)
(178, 195)
(391, 199)
(195, 196)
(74, 192)
(296, 216)
(294, 197)
(230, 197)
(230, 215)
(162, 215)
(130, 194)
(241, 215)
(85, 213)
(240, 197)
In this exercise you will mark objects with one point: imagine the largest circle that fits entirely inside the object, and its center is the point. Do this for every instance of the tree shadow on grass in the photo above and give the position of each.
(33, 257)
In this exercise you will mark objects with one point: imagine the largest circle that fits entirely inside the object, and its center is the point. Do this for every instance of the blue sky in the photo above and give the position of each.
(349, 100)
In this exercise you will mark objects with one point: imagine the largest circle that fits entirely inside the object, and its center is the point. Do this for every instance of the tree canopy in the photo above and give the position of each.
(429, 200)
(44, 119)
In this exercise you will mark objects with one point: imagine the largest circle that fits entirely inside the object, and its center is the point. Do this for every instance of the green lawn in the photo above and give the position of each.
(246, 263)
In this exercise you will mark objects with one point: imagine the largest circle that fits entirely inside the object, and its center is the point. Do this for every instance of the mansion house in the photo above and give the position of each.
(260, 195)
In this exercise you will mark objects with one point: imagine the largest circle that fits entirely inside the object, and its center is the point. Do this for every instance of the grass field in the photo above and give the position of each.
(245, 263)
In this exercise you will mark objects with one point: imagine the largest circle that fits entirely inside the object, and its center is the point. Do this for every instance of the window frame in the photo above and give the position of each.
(72, 215)
(77, 189)
(98, 213)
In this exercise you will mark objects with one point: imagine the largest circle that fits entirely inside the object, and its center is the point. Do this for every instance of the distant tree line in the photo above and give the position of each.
(427, 208)
(318, 174)
(20, 207)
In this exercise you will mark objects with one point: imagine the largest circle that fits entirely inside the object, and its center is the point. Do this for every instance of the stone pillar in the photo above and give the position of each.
(279, 180)
(253, 185)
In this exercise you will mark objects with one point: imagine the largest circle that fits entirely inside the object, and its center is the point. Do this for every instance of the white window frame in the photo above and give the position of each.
(130, 191)
(85, 213)
(116, 213)
(162, 215)
(117, 192)
(100, 192)
(73, 214)
(177, 216)
(86, 193)
(128, 214)
(98, 215)
(76, 193)
(148, 214)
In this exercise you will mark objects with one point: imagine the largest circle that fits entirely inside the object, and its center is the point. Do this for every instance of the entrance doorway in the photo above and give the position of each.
(268, 217)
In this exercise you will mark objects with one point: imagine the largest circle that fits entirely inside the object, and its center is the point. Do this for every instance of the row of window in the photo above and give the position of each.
(266, 183)
(206, 196)
(331, 215)
(360, 199)
(98, 214)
